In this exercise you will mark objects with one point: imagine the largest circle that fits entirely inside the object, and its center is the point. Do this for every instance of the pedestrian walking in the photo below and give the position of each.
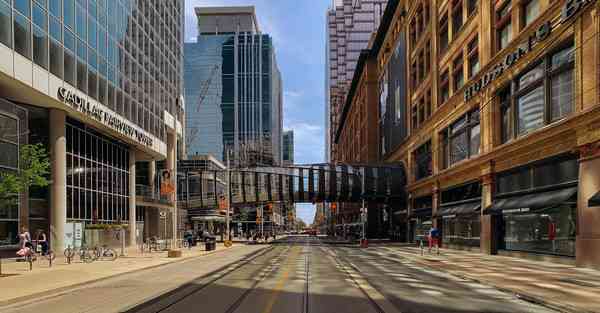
(42, 240)
(189, 237)
(434, 238)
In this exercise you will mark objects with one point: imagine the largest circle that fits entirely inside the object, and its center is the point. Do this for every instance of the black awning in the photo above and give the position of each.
(459, 209)
(595, 200)
(421, 212)
(532, 201)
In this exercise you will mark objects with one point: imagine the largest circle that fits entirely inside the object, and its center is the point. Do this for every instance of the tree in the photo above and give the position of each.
(34, 168)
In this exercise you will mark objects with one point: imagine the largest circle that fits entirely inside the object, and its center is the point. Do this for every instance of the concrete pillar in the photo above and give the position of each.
(132, 208)
(58, 163)
(587, 249)
(172, 167)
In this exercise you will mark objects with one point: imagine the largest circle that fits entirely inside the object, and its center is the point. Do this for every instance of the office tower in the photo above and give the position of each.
(233, 89)
(99, 83)
(288, 147)
(350, 25)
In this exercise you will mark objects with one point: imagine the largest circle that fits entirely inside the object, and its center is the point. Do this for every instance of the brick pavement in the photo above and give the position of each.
(563, 287)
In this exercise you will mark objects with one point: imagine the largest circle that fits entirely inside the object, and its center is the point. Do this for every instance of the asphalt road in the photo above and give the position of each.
(295, 275)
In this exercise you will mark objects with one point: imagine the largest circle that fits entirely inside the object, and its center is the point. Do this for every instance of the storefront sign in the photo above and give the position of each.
(449, 216)
(107, 118)
(570, 9)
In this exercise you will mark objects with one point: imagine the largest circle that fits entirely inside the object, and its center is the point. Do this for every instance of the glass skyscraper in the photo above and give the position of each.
(100, 83)
(233, 89)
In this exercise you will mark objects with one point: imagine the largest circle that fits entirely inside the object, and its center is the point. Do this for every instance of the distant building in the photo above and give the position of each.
(350, 25)
(288, 147)
(233, 89)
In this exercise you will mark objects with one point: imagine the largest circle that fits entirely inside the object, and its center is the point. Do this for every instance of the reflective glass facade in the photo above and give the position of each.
(97, 176)
(125, 55)
(234, 98)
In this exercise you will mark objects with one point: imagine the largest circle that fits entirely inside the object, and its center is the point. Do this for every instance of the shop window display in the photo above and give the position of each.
(548, 231)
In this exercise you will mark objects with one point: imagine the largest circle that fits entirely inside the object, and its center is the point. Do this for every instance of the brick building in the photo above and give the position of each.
(492, 105)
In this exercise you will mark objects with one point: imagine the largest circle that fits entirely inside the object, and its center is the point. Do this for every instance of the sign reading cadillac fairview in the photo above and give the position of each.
(107, 118)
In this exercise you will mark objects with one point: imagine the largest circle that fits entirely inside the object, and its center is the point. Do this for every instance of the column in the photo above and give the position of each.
(487, 241)
(435, 200)
(587, 248)
(172, 167)
(58, 163)
(132, 208)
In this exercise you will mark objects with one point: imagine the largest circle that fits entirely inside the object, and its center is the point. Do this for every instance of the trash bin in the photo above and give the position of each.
(210, 243)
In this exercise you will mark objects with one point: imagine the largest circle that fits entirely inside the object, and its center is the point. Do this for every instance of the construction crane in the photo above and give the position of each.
(204, 87)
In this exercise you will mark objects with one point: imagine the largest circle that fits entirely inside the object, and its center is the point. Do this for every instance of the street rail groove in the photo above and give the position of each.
(213, 277)
(376, 298)
(237, 304)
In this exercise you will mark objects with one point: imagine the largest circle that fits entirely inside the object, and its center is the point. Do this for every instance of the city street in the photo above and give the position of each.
(296, 274)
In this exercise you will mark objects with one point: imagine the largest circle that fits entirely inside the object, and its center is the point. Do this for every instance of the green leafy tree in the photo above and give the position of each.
(34, 168)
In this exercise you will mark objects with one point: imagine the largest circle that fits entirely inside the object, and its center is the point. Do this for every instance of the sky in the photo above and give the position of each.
(298, 31)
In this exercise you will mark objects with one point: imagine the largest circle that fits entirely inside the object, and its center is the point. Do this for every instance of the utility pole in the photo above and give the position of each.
(363, 214)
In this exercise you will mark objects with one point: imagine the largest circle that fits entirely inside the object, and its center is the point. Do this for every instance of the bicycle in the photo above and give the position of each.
(83, 253)
(105, 253)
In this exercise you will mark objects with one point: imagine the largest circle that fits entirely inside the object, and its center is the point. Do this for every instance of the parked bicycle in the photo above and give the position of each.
(105, 253)
(84, 254)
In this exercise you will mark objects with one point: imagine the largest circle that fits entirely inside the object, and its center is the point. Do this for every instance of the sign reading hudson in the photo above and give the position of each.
(97, 113)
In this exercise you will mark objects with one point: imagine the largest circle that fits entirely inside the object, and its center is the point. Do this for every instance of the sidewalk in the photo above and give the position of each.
(563, 287)
(17, 282)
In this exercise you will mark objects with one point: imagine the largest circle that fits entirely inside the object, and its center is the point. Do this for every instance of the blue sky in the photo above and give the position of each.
(298, 31)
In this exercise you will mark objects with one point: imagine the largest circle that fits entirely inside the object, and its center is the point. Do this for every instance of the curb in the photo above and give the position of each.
(49, 294)
(519, 294)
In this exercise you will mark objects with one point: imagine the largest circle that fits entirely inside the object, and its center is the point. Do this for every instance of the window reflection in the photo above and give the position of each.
(97, 176)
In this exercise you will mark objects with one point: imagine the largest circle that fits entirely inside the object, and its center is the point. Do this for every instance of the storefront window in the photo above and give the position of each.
(97, 176)
(549, 231)
(538, 203)
(462, 230)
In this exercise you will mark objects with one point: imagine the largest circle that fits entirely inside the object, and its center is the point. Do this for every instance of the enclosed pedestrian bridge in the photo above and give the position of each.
(207, 188)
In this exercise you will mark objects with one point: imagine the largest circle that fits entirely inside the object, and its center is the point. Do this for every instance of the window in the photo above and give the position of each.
(461, 140)
(473, 57)
(40, 47)
(5, 25)
(383, 95)
(55, 8)
(471, 6)
(56, 58)
(422, 159)
(550, 79)
(503, 25)
(23, 6)
(444, 36)
(531, 10)
(457, 73)
(457, 17)
(415, 117)
(69, 13)
(444, 88)
(22, 35)
(70, 68)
